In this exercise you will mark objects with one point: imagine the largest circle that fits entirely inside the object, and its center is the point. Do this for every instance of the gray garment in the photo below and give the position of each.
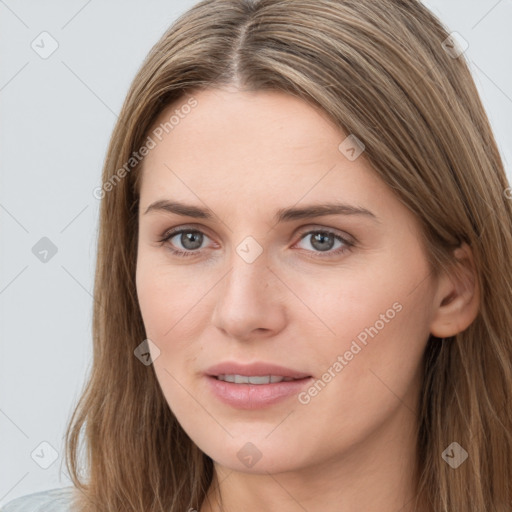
(51, 500)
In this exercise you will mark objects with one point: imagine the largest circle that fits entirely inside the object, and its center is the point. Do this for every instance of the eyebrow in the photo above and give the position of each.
(281, 215)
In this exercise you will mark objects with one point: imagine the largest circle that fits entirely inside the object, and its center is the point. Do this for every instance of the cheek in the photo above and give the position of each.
(173, 311)
(167, 304)
(153, 295)
(344, 305)
(377, 317)
(381, 321)
(165, 296)
(372, 367)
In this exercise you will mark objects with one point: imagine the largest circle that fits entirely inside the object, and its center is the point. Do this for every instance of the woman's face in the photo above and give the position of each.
(342, 298)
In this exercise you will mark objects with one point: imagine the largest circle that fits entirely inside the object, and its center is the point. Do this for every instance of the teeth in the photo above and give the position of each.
(256, 379)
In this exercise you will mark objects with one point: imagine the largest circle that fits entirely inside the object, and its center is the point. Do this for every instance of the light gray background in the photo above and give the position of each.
(57, 115)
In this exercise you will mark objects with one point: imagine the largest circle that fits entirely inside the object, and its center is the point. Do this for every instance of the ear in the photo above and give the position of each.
(457, 299)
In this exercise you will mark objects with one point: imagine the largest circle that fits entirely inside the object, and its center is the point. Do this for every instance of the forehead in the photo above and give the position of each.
(253, 147)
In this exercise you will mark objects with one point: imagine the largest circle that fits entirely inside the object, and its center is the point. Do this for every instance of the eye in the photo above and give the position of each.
(190, 239)
(322, 242)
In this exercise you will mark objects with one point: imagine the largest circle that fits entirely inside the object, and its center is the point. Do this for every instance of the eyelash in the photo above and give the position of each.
(348, 244)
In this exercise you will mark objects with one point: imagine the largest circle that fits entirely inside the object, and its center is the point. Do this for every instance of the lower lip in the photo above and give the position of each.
(255, 396)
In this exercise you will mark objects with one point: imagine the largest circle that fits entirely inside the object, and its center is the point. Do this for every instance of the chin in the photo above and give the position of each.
(256, 455)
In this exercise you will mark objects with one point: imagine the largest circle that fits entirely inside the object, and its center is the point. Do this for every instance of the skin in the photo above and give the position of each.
(352, 446)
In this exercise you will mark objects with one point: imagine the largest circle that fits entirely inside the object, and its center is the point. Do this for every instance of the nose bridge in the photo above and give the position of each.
(249, 268)
(244, 302)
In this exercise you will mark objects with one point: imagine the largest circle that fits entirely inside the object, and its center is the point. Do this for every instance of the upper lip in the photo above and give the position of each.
(254, 369)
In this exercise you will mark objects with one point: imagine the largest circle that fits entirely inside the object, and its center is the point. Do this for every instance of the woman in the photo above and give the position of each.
(240, 363)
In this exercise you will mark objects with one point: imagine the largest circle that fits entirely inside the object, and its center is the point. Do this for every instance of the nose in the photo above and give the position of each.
(250, 301)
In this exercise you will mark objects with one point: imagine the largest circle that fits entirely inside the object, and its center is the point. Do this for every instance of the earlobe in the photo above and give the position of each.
(458, 297)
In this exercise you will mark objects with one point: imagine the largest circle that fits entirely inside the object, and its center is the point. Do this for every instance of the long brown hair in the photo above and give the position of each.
(382, 70)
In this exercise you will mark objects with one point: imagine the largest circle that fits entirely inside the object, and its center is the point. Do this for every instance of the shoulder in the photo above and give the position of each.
(52, 500)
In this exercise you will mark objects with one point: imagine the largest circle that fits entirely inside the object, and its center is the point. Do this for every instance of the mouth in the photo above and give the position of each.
(255, 386)
(243, 373)
(254, 379)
